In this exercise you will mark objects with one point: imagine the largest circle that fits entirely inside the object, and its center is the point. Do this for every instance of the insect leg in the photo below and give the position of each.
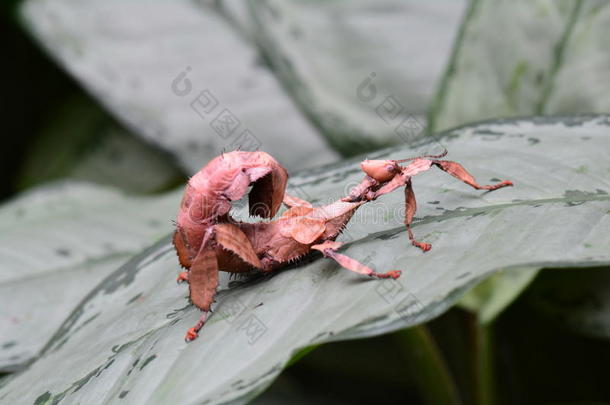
(410, 208)
(457, 170)
(203, 275)
(183, 254)
(329, 248)
(234, 239)
(203, 281)
(193, 332)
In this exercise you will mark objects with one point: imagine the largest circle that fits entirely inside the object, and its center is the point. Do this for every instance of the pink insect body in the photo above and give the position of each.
(207, 239)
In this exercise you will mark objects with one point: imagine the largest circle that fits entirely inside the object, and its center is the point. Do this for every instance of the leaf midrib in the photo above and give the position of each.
(465, 212)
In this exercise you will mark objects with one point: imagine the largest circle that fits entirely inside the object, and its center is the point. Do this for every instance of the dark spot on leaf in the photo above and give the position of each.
(135, 363)
(42, 399)
(434, 202)
(176, 312)
(578, 197)
(135, 297)
(476, 214)
(123, 394)
(461, 276)
(62, 252)
(582, 169)
(487, 132)
(495, 180)
(8, 345)
(148, 360)
(585, 138)
(83, 381)
(532, 140)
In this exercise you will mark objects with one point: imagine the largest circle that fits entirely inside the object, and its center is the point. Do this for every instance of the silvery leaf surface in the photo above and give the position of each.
(125, 340)
(56, 243)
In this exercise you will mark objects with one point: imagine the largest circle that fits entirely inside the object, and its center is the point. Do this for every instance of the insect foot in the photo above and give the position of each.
(182, 277)
(390, 274)
(191, 335)
(193, 332)
(422, 245)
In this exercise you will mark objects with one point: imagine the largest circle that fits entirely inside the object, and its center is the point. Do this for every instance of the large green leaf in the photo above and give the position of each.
(125, 339)
(489, 298)
(517, 58)
(364, 72)
(133, 67)
(57, 242)
(581, 78)
(530, 57)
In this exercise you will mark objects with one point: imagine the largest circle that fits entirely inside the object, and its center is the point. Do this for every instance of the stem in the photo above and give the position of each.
(484, 375)
(436, 384)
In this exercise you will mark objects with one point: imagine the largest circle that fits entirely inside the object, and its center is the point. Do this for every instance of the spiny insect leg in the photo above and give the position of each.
(457, 170)
(410, 208)
(329, 248)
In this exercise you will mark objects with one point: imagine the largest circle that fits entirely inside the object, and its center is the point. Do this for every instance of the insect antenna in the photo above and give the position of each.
(440, 155)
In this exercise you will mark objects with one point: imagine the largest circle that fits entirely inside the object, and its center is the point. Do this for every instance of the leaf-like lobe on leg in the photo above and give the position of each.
(297, 211)
(181, 249)
(232, 238)
(306, 230)
(203, 278)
